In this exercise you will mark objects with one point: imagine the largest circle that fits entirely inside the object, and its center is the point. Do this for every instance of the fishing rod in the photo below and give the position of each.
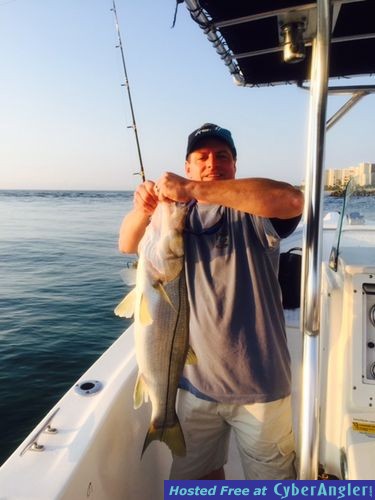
(127, 85)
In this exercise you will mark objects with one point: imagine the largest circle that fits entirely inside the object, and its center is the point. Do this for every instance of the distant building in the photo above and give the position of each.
(365, 173)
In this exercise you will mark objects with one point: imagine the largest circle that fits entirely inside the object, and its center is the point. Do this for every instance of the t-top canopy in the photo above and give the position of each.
(250, 37)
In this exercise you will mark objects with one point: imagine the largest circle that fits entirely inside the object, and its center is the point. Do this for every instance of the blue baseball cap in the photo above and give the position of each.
(208, 131)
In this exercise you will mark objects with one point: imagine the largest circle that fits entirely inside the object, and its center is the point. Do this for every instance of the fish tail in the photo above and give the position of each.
(173, 437)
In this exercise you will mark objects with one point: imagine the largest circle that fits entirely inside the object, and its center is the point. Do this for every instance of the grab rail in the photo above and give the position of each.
(309, 421)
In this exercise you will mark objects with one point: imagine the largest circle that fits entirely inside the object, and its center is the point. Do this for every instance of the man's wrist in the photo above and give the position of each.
(193, 189)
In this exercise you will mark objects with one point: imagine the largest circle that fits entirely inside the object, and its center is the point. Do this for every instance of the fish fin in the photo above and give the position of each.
(140, 392)
(129, 275)
(125, 309)
(191, 357)
(160, 288)
(144, 312)
(173, 437)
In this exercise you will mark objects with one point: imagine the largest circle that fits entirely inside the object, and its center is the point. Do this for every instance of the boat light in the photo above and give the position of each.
(294, 45)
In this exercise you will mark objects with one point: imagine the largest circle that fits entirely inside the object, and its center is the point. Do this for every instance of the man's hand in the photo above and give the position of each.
(145, 198)
(172, 187)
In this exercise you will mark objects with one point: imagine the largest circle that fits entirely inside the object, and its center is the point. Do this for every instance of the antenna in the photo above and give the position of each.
(127, 85)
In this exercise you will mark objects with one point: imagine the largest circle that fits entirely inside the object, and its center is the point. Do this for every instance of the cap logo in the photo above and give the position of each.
(204, 130)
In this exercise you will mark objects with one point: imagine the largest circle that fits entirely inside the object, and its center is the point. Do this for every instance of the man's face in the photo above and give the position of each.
(212, 161)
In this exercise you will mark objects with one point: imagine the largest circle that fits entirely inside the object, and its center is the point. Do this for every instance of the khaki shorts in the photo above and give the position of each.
(263, 433)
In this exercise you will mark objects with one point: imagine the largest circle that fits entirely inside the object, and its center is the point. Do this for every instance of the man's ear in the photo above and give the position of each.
(187, 169)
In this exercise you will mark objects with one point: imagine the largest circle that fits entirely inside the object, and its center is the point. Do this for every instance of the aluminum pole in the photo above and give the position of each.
(345, 108)
(309, 423)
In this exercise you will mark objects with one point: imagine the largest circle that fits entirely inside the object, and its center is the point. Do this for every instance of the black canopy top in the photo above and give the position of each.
(249, 37)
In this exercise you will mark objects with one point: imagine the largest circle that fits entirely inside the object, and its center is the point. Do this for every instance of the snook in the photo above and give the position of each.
(161, 320)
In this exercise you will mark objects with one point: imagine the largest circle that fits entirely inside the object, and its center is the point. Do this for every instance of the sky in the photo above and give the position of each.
(65, 114)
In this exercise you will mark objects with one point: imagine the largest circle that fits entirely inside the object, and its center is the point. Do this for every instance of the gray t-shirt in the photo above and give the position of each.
(237, 325)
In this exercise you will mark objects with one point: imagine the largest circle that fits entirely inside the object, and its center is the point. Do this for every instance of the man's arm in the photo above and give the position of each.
(257, 196)
(263, 197)
(135, 222)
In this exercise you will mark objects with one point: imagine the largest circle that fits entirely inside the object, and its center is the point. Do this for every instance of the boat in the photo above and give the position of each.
(89, 444)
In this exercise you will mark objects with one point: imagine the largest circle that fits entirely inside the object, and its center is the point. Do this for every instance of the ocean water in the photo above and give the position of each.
(59, 284)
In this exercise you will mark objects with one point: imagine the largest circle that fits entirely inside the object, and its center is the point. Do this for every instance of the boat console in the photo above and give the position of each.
(348, 349)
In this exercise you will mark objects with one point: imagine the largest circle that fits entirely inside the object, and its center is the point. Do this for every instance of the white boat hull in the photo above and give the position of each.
(96, 450)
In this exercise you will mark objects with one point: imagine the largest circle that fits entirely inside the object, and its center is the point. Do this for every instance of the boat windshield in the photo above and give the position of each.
(358, 214)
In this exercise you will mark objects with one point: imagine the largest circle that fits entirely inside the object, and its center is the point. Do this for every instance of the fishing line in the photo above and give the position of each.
(127, 86)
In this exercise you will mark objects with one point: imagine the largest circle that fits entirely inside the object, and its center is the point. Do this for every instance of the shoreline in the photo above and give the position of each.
(339, 193)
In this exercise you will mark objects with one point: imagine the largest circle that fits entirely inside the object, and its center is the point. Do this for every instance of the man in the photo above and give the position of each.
(242, 378)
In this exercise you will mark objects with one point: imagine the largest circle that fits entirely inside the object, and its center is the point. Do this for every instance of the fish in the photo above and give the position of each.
(159, 303)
